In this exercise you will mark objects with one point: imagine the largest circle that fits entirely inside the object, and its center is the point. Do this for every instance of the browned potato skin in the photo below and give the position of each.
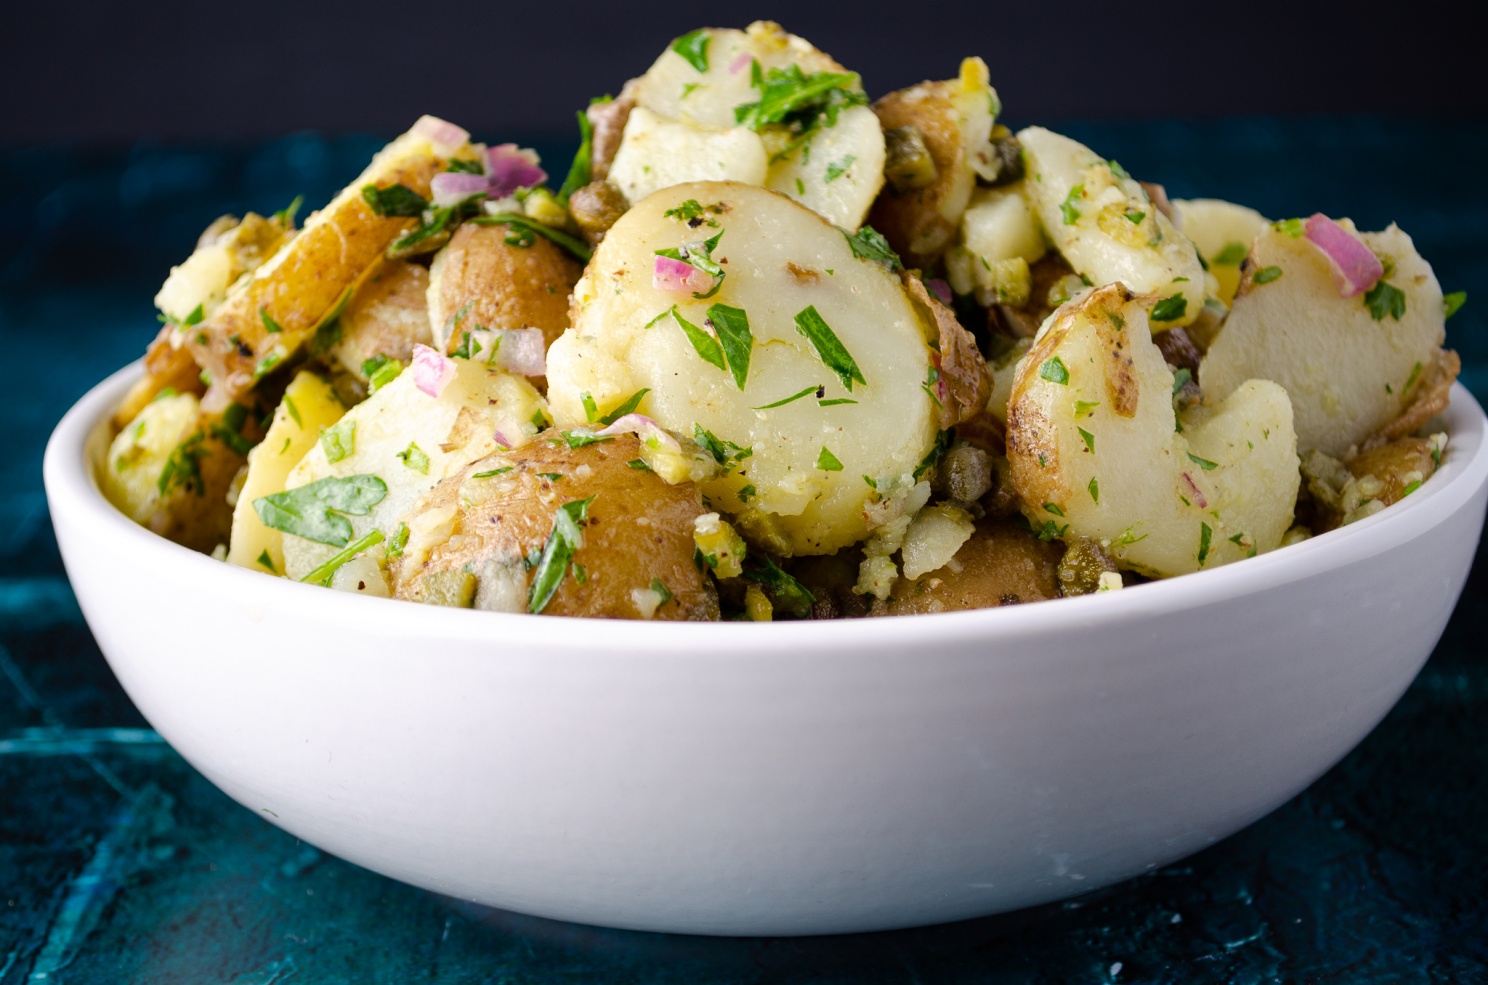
(1432, 396)
(962, 369)
(505, 286)
(387, 316)
(911, 220)
(639, 528)
(199, 517)
(323, 262)
(1390, 463)
(1002, 564)
(165, 366)
(608, 122)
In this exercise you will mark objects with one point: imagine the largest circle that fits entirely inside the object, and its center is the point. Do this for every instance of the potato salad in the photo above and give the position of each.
(775, 349)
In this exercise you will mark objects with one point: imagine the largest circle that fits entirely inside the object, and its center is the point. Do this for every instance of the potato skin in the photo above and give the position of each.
(1002, 564)
(963, 385)
(505, 286)
(508, 517)
(388, 314)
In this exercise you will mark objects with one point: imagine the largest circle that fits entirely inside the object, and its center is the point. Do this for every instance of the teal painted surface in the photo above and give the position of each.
(120, 864)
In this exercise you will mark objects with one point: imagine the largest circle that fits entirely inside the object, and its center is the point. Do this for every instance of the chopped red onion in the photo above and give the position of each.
(502, 440)
(431, 371)
(523, 351)
(940, 289)
(651, 434)
(1355, 267)
(740, 62)
(511, 167)
(670, 274)
(446, 137)
(1195, 493)
(453, 187)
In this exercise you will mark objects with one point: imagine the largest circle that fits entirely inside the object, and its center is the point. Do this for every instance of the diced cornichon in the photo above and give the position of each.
(836, 333)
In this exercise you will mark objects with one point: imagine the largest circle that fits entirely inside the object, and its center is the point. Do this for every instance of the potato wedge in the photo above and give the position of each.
(1096, 452)
(266, 319)
(1348, 373)
(482, 281)
(954, 119)
(1106, 226)
(634, 561)
(411, 441)
(848, 401)
(387, 316)
(690, 122)
(309, 407)
(960, 382)
(1002, 564)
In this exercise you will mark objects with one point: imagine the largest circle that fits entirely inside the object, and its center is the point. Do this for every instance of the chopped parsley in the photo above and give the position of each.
(662, 592)
(869, 244)
(322, 574)
(267, 562)
(1088, 438)
(468, 348)
(787, 594)
(581, 171)
(693, 46)
(826, 461)
(699, 256)
(1292, 227)
(631, 403)
(1053, 508)
(339, 440)
(802, 102)
(565, 538)
(1451, 303)
(1094, 489)
(1055, 371)
(1181, 379)
(380, 371)
(1203, 463)
(395, 201)
(269, 324)
(183, 467)
(314, 511)
(286, 215)
(327, 331)
(1135, 216)
(490, 473)
(1084, 408)
(640, 464)
(413, 457)
(1266, 275)
(695, 214)
(704, 344)
(838, 168)
(724, 452)
(399, 541)
(579, 437)
(1233, 255)
(1170, 308)
(230, 429)
(1069, 208)
(936, 453)
(793, 397)
(591, 409)
(1204, 534)
(575, 246)
(838, 400)
(735, 338)
(829, 347)
(1410, 381)
(1385, 299)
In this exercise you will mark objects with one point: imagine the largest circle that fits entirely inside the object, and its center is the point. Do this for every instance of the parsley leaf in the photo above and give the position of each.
(1233, 255)
(398, 201)
(314, 511)
(1204, 535)
(706, 345)
(413, 456)
(869, 244)
(1451, 303)
(838, 168)
(785, 592)
(631, 403)
(380, 371)
(339, 440)
(724, 452)
(322, 574)
(693, 46)
(826, 461)
(581, 171)
(571, 243)
(1266, 275)
(1170, 308)
(1203, 463)
(801, 101)
(1055, 371)
(659, 587)
(1069, 208)
(1384, 299)
(791, 398)
(183, 467)
(552, 565)
(829, 347)
(1094, 489)
(1088, 438)
(735, 338)
(1180, 379)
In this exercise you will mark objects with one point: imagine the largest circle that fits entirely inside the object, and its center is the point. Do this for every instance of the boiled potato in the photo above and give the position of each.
(1348, 373)
(388, 316)
(1000, 240)
(411, 441)
(308, 408)
(168, 366)
(856, 406)
(482, 281)
(1345, 492)
(1222, 231)
(1096, 451)
(1000, 564)
(265, 319)
(688, 124)
(954, 120)
(169, 469)
(1107, 227)
(228, 249)
(635, 560)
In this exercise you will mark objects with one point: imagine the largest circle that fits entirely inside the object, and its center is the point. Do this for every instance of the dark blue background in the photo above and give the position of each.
(118, 863)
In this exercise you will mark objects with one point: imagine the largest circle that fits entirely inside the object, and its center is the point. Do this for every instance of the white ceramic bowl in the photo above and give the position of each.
(794, 778)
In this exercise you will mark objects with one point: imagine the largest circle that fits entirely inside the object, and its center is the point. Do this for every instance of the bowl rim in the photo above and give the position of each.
(72, 493)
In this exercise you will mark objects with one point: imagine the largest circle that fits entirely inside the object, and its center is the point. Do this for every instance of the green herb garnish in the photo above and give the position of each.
(314, 511)
(829, 347)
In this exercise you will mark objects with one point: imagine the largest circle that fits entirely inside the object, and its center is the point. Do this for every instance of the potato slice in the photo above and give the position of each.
(483, 281)
(1095, 450)
(686, 125)
(1107, 227)
(309, 406)
(411, 441)
(265, 320)
(954, 119)
(1348, 373)
(388, 315)
(636, 556)
(800, 463)
(1222, 231)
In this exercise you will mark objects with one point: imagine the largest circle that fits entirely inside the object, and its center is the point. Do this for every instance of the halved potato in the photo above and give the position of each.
(411, 441)
(266, 319)
(1107, 227)
(863, 408)
(635, 560)
(388, 315)
(688, 124)
(954, 119)
(1348, 373)
(483, 281)
(1096, 451)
